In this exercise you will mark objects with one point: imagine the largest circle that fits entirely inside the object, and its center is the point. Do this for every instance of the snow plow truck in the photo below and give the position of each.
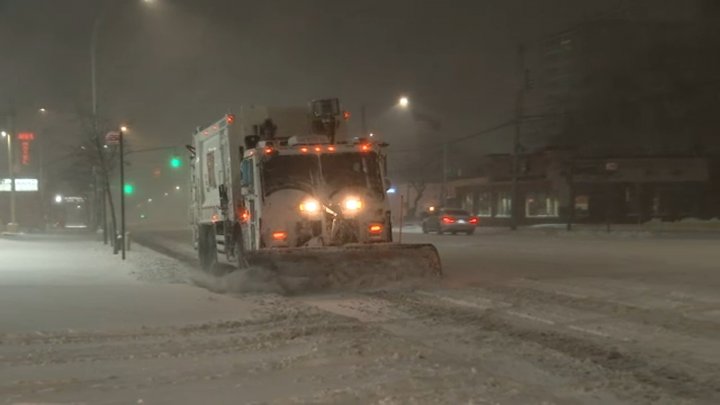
(274, 188)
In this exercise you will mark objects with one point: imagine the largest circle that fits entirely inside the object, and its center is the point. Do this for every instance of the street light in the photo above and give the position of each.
(124, 128)
(42, 110)
(404, 102)
(4, 134)
(58, 199)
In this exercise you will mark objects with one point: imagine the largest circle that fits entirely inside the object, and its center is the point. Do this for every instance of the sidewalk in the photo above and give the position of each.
(61, 282)
(684, 229)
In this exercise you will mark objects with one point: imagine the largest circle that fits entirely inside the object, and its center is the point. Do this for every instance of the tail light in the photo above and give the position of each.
(279, 235)
(448, 220)
(474, 220)
(375, 229)
(268, 150)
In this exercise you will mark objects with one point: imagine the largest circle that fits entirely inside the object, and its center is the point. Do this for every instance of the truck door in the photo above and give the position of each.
(250, 195)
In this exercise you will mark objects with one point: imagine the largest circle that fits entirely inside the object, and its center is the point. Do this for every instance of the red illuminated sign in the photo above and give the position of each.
(26, 136)
(25, 149)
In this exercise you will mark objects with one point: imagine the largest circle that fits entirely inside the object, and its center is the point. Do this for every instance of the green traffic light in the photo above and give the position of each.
(175, 162)
(128, 189)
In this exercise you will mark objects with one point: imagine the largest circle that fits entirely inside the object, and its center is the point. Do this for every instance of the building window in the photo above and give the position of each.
(484, 204)
(504, 205)
(467, 202)
(541, 204)
(582, 205)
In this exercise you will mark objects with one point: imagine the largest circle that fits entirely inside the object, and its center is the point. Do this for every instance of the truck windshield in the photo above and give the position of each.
(352, 170)
(338, 171)
(290, 171)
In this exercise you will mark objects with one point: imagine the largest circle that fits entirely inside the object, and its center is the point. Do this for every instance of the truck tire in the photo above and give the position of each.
(207, 248)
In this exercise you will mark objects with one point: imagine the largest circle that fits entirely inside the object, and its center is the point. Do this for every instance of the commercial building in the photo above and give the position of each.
(555, 185)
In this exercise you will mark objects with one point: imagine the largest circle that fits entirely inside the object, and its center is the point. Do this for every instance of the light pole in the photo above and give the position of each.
(404, 103)
(12, 226)
(107, 196)
(123, 129)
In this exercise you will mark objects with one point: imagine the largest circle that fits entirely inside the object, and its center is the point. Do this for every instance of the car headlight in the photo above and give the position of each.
(352, 204)
(310, 206)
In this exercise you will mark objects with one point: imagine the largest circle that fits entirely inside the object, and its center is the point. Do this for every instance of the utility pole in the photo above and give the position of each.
(570, 179)
(12, 226)
(519, 102)
(443, 191)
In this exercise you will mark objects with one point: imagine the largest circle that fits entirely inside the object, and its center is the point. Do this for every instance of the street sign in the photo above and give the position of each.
(112, 138)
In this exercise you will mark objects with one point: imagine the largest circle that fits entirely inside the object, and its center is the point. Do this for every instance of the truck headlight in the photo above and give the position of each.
(352, 204)
(310, 206)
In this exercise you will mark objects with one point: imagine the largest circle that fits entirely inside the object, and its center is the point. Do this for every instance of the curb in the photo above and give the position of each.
(11, 235)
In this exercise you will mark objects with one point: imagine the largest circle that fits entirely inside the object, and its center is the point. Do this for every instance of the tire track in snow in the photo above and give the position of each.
(691, 381)
(525, 296)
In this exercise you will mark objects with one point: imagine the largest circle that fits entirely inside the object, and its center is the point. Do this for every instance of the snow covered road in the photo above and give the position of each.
(517, 319)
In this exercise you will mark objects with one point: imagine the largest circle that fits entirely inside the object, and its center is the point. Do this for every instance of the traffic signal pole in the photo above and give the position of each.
(122, 194)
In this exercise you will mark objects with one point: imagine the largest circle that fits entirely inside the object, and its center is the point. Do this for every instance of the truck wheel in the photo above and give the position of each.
(207, 248)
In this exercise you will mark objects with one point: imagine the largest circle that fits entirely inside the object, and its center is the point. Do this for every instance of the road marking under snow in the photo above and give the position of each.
(488, 304)
(531, 317)
(590, 331)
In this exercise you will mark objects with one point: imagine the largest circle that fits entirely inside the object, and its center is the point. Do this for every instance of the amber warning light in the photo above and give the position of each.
(279, 235)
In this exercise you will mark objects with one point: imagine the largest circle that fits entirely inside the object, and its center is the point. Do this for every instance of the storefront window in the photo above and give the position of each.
(582, 205)
(484, 205)
(504, 205)
(467, 202)
(541, 204)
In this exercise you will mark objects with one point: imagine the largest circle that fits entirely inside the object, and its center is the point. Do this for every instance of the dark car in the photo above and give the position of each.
(450, 220)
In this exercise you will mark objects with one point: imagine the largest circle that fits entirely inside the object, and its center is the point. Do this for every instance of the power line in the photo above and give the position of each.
(461, 139)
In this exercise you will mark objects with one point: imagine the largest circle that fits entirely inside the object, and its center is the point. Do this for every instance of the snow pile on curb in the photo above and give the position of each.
(689, 224)
(151, 266)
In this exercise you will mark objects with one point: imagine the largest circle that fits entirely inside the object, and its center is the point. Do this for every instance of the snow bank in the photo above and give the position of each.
(687, 224)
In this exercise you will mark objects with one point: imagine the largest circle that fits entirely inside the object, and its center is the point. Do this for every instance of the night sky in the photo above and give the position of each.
(167, 66)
